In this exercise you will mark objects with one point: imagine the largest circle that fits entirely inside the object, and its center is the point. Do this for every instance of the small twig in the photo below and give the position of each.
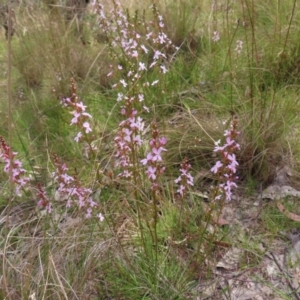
(261, 205)
(294, 292)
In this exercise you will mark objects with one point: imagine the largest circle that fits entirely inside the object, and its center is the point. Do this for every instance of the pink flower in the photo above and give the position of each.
(216, 167)
(120, 97)
(157, 54)
(178, 179)
(126, 174)
(147, 159)
(156, 156)
(123, 82)
(135, 53)
(100, 217)
(87, 115)
(137, 139)
(239, 47)
(154, 63)
(233, 163)
(162, 140)
(219, 148)
(216, 36)
(78, 137)
(137, 123)
(76, 117)
(88, 213)
(181, 190)
(229, 142)
(146, 109)
(142, 67)
(81, 106)
(151, 172)
(144, 49)
(163, 69)
(141, 97)
(87, 127)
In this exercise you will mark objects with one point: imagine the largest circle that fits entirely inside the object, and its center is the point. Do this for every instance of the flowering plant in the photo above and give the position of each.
(185, 179)
(140, 46)
(225, 168)
(13, 167)
(80, 116)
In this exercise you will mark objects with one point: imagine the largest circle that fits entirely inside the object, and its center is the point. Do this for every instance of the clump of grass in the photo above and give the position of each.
(276, 222)
(185, 31)
(48, 53)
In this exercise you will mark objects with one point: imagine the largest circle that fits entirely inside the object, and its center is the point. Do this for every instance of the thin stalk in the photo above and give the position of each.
(289, 27)
(155, 203)
(10, 130)
(136, 196)
(229, 51)
(250, 68)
